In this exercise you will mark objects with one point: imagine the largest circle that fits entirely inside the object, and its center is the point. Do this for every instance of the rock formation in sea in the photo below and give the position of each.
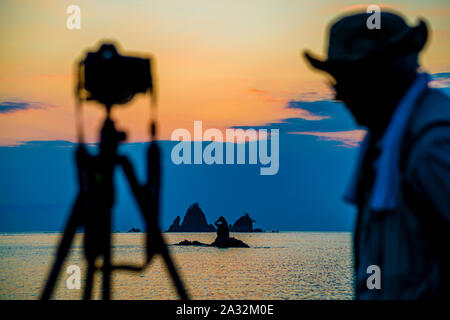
(175, 226)
(243, 224)
(219, 243)
(194, 221)
(134, 230)
(229, 243)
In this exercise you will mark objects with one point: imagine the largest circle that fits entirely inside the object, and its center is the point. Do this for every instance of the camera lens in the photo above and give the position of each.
(107, 54)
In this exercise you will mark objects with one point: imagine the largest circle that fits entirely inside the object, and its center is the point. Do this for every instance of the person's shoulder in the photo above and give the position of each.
(432, 110)
(429, 127)
(436, 97)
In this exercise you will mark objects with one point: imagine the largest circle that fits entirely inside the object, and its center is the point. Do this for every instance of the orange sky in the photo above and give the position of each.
(226, 63)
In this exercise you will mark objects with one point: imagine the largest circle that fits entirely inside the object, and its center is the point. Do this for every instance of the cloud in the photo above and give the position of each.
(440, 80)
(315, 96)
(254, 90)
(323, 116)
(329, 120)
(47, 143)
(307, 115)
(7, 107)
(58, 144)
(349, 139)
(315, 110)
(267, 97)
(284, 97)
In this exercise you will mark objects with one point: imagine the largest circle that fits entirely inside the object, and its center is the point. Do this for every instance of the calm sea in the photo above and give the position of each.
(285, 265)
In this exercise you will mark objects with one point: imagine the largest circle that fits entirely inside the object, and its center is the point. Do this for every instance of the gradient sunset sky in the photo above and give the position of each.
(228, 63)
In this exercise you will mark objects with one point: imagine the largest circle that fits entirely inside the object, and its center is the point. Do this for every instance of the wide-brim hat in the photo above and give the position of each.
(351, 41)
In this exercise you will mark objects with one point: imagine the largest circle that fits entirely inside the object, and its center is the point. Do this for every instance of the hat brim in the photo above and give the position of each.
(323, 65)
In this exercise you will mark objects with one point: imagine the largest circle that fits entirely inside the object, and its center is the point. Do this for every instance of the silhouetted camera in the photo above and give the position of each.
(111, 78)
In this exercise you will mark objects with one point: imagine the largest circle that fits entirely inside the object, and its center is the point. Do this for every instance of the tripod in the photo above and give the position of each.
(92, 210)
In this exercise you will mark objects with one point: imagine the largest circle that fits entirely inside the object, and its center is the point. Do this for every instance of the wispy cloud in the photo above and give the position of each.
(11, 106)
(58, 144)
(47, 143)
(349, 139)
(440, 80)
(268, 97)
(315, 117)
(254, 90)
(320, 116)
(315, 96)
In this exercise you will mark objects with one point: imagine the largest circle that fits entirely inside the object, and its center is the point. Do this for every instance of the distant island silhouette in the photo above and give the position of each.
(195, 221)
(244, 224)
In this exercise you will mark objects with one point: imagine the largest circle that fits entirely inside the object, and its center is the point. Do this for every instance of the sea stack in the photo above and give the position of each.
(194, 221)
(243, 224)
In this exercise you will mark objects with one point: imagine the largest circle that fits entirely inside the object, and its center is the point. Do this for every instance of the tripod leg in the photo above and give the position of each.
(63, 249)
(150, 214)
(107, 269)
(89, 280)
(171, 267)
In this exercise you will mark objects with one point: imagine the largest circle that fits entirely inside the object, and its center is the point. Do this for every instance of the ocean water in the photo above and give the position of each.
(285, 265)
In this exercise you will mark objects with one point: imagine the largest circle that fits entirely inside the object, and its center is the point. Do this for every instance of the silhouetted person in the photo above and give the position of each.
(223, 232)
(402, 184)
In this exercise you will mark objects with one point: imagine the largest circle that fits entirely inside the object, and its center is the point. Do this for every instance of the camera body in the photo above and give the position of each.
(111, 78)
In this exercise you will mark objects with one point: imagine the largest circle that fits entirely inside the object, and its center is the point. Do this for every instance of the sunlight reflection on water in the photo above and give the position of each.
(285, 265)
